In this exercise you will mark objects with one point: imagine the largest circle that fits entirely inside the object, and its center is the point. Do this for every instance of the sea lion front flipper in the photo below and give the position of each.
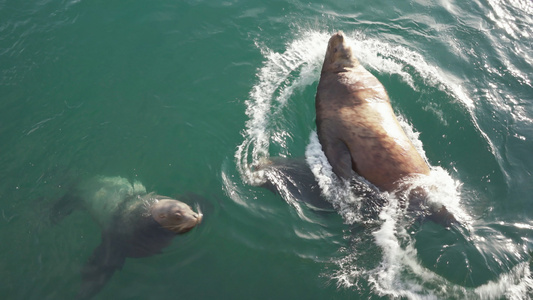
(105, 260)
(339, 157)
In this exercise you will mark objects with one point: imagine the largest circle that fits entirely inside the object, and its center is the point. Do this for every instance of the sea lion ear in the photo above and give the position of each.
(162, 216)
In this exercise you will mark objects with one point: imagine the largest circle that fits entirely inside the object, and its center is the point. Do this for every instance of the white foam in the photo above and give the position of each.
(394, 59)
(514, 285)
(512, 16)
(337, 192)
(270, 95)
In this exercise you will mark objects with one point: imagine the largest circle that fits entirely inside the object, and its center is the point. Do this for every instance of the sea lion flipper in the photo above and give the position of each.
(443, 217)
(64, 207)
(340, 158)
(418, 201)
(293, 175)
(105, 260)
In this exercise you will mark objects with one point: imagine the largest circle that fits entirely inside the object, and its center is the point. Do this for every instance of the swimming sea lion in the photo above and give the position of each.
(294, 177)
(134, 224)
(356, 125)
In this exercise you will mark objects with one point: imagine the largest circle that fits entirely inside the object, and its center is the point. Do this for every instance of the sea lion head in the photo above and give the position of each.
(175, 215)
(339, 54)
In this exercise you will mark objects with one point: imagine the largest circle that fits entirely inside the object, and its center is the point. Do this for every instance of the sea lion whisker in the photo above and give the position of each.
(198, 210)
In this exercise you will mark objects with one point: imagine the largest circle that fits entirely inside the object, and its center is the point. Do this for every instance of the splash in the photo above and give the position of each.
(298, 67)
(399, 60)
(269, 96)
(399, 272)
(352, 199)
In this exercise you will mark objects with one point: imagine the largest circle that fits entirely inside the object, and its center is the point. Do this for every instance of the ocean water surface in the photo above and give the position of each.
(194, 96)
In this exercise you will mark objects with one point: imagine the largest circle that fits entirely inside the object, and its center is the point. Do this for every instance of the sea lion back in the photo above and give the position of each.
(102, 196)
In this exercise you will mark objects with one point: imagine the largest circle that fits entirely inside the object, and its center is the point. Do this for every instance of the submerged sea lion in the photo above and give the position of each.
(293, 176)
(356, 125)
(134, 224)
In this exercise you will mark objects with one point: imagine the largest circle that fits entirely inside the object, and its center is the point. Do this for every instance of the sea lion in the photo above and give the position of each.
(357, 127)
(294, 177)
(134, 224)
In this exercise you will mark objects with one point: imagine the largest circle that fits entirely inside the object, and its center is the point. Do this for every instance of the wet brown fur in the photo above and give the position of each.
(356, 125)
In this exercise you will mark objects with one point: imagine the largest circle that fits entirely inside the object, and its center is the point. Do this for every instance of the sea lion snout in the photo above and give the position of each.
(175, 215)
(196, 218)
(339, 54)
(337, 43)
(337, 38)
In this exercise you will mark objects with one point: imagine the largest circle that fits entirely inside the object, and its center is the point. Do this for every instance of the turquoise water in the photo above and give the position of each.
(187, 96)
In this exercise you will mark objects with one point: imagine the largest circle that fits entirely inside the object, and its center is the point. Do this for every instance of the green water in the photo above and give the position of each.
(185, 96)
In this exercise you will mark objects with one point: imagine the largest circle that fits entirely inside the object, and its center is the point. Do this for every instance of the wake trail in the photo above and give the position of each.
(399, 272)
